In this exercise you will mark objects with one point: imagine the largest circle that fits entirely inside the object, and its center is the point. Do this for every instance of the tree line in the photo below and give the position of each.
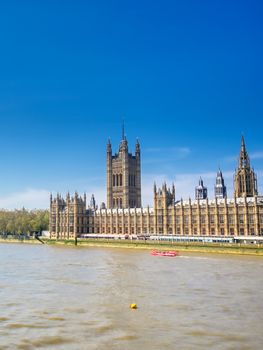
(23, 222)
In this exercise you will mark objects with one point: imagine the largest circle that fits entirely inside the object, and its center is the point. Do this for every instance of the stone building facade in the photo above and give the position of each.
(68, 218)
(240, 216)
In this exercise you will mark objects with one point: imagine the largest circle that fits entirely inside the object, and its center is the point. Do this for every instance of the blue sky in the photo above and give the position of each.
(185, 75)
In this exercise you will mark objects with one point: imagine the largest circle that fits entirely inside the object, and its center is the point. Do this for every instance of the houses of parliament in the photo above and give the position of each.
(242, 215)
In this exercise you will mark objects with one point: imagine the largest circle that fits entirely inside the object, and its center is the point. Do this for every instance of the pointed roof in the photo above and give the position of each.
(243, 145)
(123, 138)
(243, 158)
(219, 173)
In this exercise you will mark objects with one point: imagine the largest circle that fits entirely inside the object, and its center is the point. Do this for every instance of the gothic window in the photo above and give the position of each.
(178, 220)
(186, 220)
(120, 202)
(231, 219)
(241, 232)
(113, 180)
(212, 231)
(248, 186)
(120, 179)
(261, 219)
(195, 231)
(241, 219)
(240, 184)
(232, 231)
(202, 219)
(204, 231)
(222, 231)
(221, 219)
(212, 219)
(251, 219)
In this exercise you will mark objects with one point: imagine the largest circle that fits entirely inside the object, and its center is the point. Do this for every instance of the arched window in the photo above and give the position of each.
(120, 179)
(120, 202)
(113, 180)
(117, 180)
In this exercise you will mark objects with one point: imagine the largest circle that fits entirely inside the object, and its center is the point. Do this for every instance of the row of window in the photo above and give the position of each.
(179, 232)
(203, 218)
(117, 202)
(117, 180)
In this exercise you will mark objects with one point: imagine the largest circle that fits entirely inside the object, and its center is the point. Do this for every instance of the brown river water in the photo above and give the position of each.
(79, 298)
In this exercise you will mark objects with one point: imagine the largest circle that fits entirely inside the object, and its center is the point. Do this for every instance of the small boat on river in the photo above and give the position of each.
(170, 253)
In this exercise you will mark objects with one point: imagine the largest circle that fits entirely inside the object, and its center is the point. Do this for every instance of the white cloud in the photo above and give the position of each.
(185, 184)
(29, 198)
(184, 187)
(159, 154)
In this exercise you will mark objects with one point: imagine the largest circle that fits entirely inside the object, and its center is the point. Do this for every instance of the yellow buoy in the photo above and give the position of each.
(133, 306)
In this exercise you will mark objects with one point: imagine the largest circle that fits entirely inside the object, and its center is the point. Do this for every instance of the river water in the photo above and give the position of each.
(79, 298)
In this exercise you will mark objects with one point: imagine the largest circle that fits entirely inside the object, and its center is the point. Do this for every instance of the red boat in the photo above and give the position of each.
(170, 253)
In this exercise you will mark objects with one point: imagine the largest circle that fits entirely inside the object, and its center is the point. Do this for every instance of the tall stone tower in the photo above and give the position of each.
(164, 198)
(124, 176)
(245, 178)
(220, 188)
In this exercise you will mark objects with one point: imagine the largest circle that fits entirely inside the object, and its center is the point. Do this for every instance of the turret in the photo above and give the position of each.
(200, 190)
(245, 180)
(220, 188)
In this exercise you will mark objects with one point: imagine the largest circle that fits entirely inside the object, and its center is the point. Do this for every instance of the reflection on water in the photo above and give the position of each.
(78, 298)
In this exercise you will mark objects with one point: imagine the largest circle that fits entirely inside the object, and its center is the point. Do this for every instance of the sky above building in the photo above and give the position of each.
(186, 76)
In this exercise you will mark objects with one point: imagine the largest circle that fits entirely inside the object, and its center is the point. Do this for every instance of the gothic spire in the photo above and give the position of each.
(109, 150)
(123, 131)
(244, 161)
(245, 177)
(220, 188)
